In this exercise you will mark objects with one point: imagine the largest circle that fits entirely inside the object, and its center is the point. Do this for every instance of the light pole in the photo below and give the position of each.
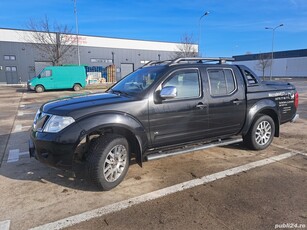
(199, 30)
(273, 35)
(77, 30)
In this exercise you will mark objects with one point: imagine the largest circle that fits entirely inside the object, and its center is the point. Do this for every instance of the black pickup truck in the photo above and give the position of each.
(164, 108)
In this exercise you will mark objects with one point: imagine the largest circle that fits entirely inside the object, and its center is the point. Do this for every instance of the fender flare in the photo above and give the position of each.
(265, 106)
(116, 121)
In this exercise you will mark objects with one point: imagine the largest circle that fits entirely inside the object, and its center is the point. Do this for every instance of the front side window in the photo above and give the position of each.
(46, 73)
(186, 82)
(222, 82)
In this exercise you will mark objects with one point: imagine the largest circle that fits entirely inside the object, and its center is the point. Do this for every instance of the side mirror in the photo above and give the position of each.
(168, 92)
(39, 76)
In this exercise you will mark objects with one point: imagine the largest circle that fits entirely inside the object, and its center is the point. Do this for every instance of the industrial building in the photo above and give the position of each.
(289, 64)
(20, 60)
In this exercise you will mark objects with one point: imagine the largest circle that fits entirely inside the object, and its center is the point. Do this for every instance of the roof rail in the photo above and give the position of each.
(221, 60)
(151, 63)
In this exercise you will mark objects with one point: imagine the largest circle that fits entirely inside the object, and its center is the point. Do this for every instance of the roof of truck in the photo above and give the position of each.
(185, 60)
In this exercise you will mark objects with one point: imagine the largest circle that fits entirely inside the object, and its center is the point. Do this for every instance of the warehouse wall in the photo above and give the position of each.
(290, 63)
(284, 67)
(25, 57)
(20, 61)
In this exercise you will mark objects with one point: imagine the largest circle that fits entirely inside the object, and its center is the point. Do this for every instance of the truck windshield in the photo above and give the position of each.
(138, 81)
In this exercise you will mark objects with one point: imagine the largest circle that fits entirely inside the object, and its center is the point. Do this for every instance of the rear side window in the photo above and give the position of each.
(251, 79)
(222, 82)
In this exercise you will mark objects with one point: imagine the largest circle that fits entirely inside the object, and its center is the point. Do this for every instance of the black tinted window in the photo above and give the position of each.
(230, 82)
(222, 82)
(252, 80)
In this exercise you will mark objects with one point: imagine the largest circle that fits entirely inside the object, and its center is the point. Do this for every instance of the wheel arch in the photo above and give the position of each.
(128, 127)
(78, 83)
(271, 113)
(262, 107)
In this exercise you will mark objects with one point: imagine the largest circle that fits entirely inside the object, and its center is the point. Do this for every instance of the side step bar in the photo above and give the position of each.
(158, 155)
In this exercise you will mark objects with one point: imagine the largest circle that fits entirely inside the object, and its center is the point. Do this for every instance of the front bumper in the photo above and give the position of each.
(30, 87)
(45, 148)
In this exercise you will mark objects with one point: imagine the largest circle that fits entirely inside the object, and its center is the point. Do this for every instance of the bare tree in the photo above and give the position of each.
(53, 42)
(186, 48)
(264, 62)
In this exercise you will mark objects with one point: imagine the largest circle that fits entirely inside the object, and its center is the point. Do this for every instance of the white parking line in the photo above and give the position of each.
(70, 221)
(5, 225)
(14, 155)
(289, 149)
(24, 153)
(17, 129)
(21, 113)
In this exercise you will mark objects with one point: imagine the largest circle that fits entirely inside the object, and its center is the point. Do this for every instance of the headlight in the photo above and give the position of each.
(57, 123)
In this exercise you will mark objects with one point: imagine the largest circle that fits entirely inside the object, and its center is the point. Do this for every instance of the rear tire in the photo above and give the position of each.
(39, 89)
(108, 161)
(261, 133)
(77, 87)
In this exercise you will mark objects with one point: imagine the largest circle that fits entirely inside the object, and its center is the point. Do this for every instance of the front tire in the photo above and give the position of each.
(108, 161)
(39, 89)
(261, 133)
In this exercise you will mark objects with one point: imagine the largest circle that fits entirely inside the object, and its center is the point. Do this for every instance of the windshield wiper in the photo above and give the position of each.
(119, 92)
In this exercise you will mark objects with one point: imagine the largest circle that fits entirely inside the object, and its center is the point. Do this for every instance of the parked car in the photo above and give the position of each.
(162, 109)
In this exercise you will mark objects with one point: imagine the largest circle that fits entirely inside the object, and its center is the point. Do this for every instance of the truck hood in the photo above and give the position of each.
(76, 106)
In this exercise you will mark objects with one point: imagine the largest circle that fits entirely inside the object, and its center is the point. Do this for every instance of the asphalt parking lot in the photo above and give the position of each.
(219, 188)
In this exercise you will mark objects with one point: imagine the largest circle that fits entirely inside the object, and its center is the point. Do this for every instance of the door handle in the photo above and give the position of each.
(200, 105)
(237, 102)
